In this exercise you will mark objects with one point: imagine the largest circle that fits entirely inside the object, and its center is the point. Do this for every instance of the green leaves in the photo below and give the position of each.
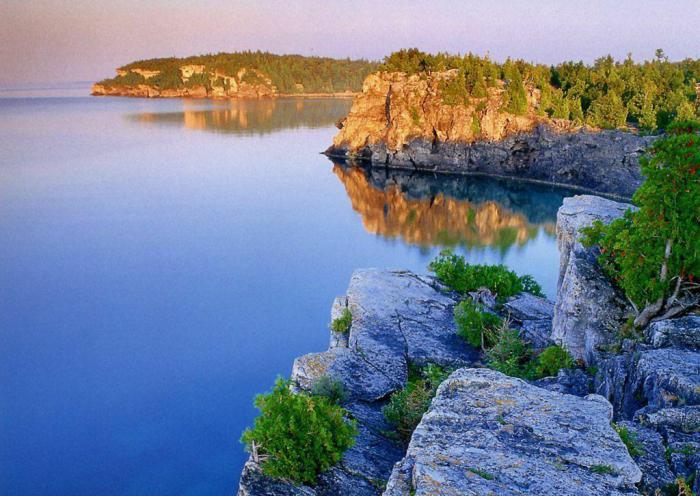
(342, 323)
(407, 406)
(297, 436)
(474, 325)
(633, 248)
(454, 271)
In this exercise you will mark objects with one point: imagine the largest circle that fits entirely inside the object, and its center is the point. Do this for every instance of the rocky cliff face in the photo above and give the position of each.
(217, 85)
(485, 433)
(403, 121)
(653, 380)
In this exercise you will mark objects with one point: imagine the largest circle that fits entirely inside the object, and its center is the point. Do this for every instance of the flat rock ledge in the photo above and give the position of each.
(487, 433)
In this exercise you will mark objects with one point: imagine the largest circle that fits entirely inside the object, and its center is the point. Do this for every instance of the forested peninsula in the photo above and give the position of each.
(574, 124)
(241, 74)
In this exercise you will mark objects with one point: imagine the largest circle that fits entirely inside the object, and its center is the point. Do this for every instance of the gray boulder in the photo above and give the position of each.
(649, 378)
(589, 310)
(679, 333)
(534, 317)
(397, 317)
(487, 433)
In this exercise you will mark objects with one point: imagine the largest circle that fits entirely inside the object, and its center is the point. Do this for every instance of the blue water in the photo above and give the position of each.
(161, 261)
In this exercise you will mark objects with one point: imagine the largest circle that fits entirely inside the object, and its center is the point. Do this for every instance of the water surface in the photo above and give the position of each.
(161, 261)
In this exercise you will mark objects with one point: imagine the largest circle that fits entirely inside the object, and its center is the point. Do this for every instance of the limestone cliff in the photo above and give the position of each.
(247, 83)
(194, 81)
(411, 121)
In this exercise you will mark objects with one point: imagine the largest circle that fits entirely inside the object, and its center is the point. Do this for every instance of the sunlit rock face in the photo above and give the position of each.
(396, 108)
(425, 211)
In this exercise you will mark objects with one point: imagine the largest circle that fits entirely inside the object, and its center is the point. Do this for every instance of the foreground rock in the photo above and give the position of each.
(402, 121)
(487, 433)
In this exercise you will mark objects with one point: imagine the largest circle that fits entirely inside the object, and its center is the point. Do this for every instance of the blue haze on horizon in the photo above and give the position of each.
(51, 41)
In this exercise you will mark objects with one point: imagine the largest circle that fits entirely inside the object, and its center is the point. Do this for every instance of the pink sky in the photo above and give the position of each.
(44, 41)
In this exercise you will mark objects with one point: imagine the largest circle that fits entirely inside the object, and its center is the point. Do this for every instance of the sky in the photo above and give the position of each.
(54, 41)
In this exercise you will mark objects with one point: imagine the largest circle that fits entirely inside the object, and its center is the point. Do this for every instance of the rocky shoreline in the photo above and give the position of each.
(202, 92)
(604, 162)
(487, 433)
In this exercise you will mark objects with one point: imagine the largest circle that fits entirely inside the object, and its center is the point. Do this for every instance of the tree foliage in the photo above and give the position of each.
(454, 271)
(298, 436)
(607, 94)
(653, 253)
(407, 406)
(474, 325)
(315, 74)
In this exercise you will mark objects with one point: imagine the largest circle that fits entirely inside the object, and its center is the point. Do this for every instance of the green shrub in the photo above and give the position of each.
(602, 469)
(407, 406)
(454, 271)
(551, 360)
(474, 325)
(629, 439)
(510, 354)
(342, 323)
(297, 436)
(330, 388)
(653, 253)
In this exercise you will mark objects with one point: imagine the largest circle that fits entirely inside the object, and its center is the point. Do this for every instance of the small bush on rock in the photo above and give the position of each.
(330, 388)
(342, 323)
(653, 254)
(454, 271)
(551, 360)
(407, 406)
(298, 436)
(474, 325)
(510, 354)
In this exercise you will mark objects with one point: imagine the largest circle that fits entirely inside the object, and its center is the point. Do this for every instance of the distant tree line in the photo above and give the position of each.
(316, 74)
(608, 94)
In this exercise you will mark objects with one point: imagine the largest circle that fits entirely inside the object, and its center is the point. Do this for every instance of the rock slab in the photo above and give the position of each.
(487, 433)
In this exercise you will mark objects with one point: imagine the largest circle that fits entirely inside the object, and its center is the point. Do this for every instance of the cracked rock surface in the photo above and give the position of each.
(487, 433)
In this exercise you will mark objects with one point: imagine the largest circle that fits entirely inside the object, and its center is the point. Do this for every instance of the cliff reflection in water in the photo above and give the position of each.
(242, 117)
(428, 210)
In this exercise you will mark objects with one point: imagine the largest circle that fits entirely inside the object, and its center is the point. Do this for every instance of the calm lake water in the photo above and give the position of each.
(162, 261)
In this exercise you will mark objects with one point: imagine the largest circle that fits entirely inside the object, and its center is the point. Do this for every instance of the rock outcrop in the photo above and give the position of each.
(247, 83)
(533, 438)
(487, 433)
(589, 309)
(398, 318)
(653, 380)
(404, 122)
